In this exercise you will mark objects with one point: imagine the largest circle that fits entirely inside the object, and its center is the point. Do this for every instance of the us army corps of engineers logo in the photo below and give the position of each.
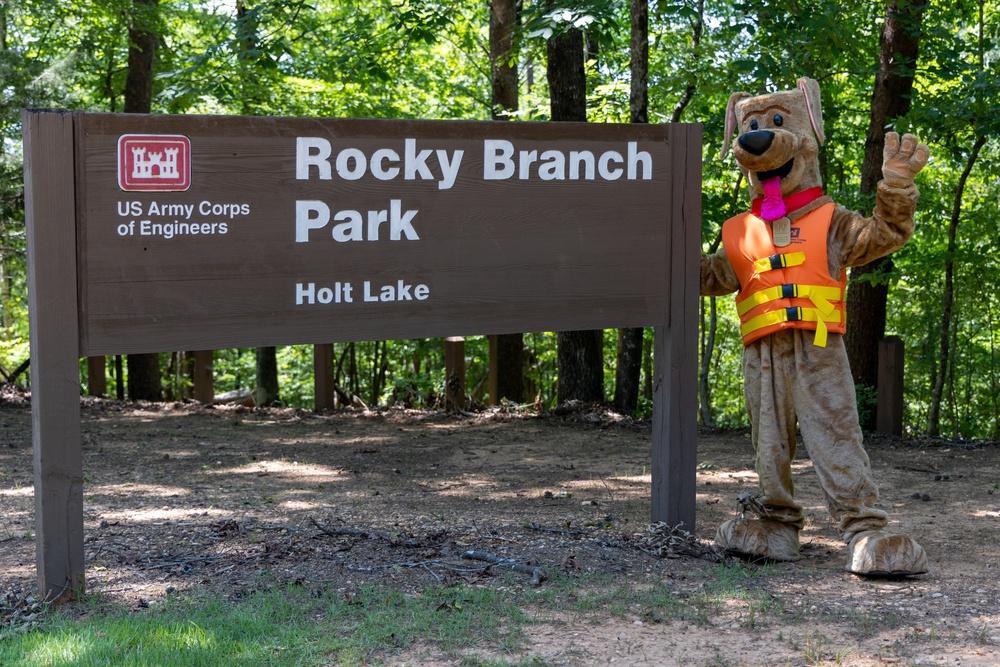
(154, 162)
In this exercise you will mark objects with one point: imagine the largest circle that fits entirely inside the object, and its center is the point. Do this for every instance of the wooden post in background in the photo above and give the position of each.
(323, 380)
(454, 373)
(204, 376)
(50, 216)
(97, 380)
(889, 414)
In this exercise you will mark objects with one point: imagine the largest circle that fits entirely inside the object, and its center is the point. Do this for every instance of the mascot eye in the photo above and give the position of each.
(778, 120)
(754, 125)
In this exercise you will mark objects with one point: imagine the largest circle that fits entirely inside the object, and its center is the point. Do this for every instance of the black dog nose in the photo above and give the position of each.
(756, 142)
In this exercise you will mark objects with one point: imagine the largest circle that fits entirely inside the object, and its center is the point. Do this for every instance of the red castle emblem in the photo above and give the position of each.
(154, 162)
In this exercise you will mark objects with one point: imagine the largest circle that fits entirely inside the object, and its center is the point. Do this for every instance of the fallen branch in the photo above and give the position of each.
(424, 565)
(572, 532)
(182, 562)
(395, 540)
(17, 371)
(537, 573)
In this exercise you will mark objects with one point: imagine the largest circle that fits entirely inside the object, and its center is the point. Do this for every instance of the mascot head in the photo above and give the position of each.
(778, 138)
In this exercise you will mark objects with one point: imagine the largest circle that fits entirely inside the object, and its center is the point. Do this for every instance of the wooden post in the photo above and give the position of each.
(675, 352)
(454, 373)
(50, 214)
(323, 380)
(97, 380)
(889, 414)
(204, 376)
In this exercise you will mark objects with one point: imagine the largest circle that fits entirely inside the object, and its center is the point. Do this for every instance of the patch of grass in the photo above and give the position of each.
(865, 624)
(740, 587)
(283, 626)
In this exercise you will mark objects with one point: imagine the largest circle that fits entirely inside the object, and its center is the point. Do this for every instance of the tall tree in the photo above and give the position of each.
(948, 297)
(629, 364)
(266, 392)
(248, 56)
(143, 369)
(976, 107)
(866, 299)
(506, 350)
(580, 353)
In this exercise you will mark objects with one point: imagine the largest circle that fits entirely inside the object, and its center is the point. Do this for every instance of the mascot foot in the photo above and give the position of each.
(759, 538)
(873, 553)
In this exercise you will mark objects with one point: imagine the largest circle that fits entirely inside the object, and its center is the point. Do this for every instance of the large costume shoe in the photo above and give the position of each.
(873, 553)
(759, 538)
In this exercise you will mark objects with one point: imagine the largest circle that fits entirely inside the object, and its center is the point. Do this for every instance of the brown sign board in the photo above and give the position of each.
(319, 230)
(154, 233)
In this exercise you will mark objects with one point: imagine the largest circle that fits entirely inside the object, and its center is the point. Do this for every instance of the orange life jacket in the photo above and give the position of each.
(788, 287)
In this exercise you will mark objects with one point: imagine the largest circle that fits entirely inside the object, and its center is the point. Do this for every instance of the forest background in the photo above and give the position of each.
(929, 68)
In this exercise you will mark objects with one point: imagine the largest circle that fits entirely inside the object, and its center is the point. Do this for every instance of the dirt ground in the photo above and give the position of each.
(180, 496)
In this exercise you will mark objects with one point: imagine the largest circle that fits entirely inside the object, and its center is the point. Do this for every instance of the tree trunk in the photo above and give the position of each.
(267, 377)
(507, 350)
(144, 377)
(934, 412)
(143, 369)
(567, 77)
(628, 369)
(507, 368)
(580, 353)
(692, 86)
(503, 23)
(141, 52)
(866, 298)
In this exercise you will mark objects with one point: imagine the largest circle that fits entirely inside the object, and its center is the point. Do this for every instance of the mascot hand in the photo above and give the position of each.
(902, 159)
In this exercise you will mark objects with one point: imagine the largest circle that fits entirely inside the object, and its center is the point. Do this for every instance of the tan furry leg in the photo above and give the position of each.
(768, 370)
(762, 538)
(826, 406)
(873, 553)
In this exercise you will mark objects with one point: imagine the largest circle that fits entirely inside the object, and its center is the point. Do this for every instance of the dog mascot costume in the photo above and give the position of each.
(787, 259)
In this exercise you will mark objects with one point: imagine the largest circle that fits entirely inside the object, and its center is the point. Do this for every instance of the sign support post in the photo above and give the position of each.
(50, 212)
(674, 459)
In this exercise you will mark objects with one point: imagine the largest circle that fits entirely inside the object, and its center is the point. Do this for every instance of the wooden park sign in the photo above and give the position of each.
(153, 233)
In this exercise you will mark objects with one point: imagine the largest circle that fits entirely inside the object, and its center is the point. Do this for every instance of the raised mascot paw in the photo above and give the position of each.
(759, 538)
(873, 553)
(902, 159)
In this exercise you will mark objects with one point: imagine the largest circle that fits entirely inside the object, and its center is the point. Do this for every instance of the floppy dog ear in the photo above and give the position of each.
(731, 121)
(810, 90)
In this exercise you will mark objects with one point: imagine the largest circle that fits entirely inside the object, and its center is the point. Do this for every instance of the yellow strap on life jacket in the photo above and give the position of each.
(793, 315)
(820, 295)
(779, 261)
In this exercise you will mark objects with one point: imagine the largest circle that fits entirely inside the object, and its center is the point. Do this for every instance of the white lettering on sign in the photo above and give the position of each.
(309, 294)
(338, 292)
(168, 220)
(169, 230)
(354, 225)
(157, 209)
(171, 210)
(401, 291)
(502, 161)
(313, 155)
